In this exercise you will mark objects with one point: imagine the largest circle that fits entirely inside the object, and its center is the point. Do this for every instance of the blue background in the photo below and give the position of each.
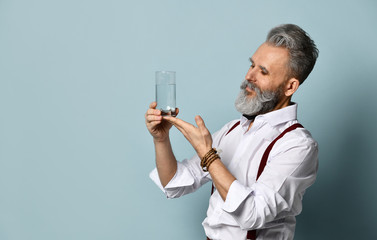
(76, 78)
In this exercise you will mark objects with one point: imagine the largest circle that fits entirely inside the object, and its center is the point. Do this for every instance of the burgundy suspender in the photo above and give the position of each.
(268, 149)
(233, 127)
(252, 234)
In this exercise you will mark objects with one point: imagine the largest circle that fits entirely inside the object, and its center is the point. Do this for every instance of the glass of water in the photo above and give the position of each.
(165, 92)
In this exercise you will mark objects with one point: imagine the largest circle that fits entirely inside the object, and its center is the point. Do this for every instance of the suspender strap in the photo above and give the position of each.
(268, 149)
(233, 127)
(252, 234)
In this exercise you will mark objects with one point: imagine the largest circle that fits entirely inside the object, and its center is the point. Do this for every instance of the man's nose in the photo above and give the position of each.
(250, 75)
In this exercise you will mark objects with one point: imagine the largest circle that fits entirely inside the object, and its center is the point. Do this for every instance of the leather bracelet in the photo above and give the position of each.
(204, 160)
(211, 161)
(208, 159)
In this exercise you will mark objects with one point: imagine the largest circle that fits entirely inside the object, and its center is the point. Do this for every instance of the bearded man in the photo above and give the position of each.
(267, 159)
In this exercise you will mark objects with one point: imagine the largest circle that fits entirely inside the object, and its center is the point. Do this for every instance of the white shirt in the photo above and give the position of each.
(269, 204)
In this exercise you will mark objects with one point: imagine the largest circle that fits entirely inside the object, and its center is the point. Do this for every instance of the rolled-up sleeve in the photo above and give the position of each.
(189, 175)
(187, 179)
(236, 195)
(278, 193)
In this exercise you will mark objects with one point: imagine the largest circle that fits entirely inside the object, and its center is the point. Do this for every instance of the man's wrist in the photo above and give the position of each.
(161, 140)
(214, 163)
(208, 159)
(203, 152)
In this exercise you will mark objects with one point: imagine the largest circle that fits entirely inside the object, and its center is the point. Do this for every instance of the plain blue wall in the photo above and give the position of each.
(76, 78)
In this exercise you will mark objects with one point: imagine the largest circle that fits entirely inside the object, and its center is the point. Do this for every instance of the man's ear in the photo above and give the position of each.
(291, 86)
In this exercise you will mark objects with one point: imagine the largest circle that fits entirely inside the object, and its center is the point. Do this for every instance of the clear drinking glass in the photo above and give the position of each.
(165, 92)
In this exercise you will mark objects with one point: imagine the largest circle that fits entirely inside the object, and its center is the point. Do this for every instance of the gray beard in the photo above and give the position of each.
(263, 102)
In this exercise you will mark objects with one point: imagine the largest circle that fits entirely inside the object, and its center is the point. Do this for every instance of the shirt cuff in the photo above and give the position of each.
(181, 178)
(236, 195)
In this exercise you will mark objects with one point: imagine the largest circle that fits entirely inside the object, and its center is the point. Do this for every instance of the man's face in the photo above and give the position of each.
(264, 83)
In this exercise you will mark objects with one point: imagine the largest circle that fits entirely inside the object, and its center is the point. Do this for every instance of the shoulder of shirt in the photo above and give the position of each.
(298, 137)
(298, 142)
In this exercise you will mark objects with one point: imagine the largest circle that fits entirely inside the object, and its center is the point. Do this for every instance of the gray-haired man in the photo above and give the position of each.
(267, 159)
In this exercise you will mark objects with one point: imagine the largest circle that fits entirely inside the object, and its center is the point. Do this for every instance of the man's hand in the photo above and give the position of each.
(157, 126)
(199, 137)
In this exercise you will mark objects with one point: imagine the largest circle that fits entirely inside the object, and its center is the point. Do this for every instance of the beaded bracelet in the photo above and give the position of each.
(204, 160)
(206, 156)
(208, 159)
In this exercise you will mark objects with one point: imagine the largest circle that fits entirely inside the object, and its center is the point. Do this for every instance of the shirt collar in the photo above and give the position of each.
(276, 117)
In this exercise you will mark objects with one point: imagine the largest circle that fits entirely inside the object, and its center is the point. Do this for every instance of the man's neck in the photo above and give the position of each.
(282, 104)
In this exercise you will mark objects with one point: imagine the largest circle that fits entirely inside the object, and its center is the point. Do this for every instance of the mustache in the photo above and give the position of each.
(250, 85)
(263, 96)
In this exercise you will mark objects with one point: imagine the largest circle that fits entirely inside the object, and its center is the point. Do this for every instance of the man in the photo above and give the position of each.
(267, 160)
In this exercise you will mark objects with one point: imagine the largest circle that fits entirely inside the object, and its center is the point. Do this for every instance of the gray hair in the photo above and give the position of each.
(302, 50)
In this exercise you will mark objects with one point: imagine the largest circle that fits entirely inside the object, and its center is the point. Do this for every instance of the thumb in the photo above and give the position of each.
(199, 121)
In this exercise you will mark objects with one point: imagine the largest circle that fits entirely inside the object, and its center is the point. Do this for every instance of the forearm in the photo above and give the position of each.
(221, 177)
(166, 163)
(201, 140)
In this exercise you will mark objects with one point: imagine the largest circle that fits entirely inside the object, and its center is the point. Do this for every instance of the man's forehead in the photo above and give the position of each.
(268, 55)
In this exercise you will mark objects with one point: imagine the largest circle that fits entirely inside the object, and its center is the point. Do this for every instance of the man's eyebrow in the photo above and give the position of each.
(263, 69)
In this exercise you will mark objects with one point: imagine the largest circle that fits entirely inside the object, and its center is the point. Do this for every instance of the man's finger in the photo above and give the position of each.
(181, 129)
(152, 111)
(151, 118)
(175, 121)
(179, 123)
(199, 121)
(153, 105)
